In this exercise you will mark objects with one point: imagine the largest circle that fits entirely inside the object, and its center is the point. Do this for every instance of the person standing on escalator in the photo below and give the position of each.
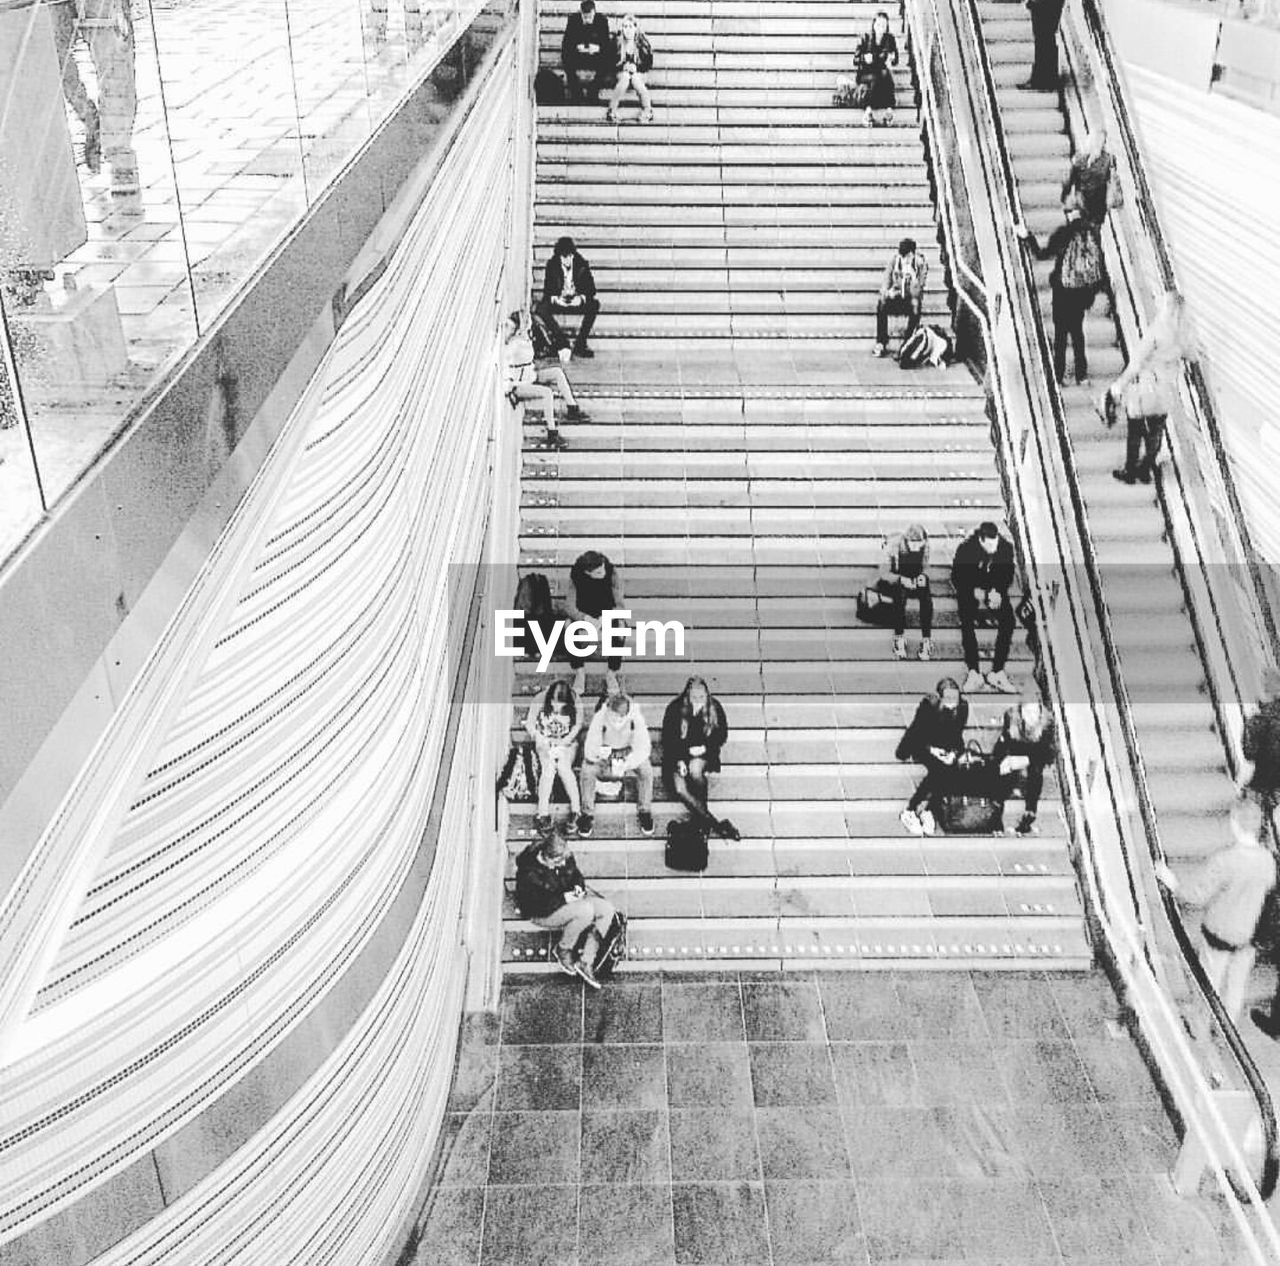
(1045, 16)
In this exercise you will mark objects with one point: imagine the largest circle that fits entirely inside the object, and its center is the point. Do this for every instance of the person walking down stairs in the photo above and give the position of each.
(906, 570)
(982, 573)
(633, 59)
(901, 293)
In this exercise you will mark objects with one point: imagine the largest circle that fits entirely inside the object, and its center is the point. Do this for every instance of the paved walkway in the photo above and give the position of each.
(854, 1118)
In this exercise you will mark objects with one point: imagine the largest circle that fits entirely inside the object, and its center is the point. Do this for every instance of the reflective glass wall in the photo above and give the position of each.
(152, 153)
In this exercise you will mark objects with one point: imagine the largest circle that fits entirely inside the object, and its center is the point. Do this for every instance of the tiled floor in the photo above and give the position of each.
(854, 1118)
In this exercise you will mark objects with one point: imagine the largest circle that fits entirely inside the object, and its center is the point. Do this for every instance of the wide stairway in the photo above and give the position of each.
(745, 460)
(1181, 748)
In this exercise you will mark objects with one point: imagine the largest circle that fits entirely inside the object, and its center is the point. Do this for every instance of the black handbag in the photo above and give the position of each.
(686, 846)
(878, 604)
(973, 803)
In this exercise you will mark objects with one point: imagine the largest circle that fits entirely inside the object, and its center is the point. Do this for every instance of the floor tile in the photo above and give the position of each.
(539, 1078)
(1020, 1006)
(787, 1073)
(717, 1075)
(530, 1226)
(1006, 1218)
(626, 1226)
(1065, 1140)
(464, 1150)
(713, 1145)
(801, 1143)
(1185, 1232)
(720, 1224)
(702, 1013)
(544, 1011)
(875, 1073)
(910, 1220)
(474, 1076)
(623, 1077)
(624, 1147)
(1094, 1218)
(1087, 1003)
(534, 1147)
(628, 1015)
(940, 1005)
(862, 1007)
(787, 1011)
(449, 1234)
(956, 1072)
(1033, 1072)
(1116, 1071)
(812, 1222)
(965, 1141)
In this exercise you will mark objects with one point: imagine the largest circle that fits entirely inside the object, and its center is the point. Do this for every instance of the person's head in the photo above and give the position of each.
(593, 564)
(619, 704)
(554, 850)
(696, 695)
(588, 9)
(565, 247)
(988, 537)
(880, 24)
(1246, 822)
(949, 693)
(630, 25)
(559, 699)
(907, 247)
(914, 537)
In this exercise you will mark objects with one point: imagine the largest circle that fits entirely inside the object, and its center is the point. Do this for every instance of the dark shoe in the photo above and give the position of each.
(1267, 1023)
(575, 413)
(727, 831)
(1144, 474)
(583, 352)
(556, 440)
(1030, 85)
(583, 968)
(646, 822)
(566, 961)
(1124, 476)
(542, 823)
(1027, 824)
(586, 824)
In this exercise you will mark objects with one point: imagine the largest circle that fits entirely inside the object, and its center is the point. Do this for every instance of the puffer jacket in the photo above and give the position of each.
(541, 889)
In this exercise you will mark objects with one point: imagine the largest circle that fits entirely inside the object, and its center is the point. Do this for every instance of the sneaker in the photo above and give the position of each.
(566, 961)
(583, 352)
(887, 121)
(880, 350)
(647, 117)
(928, 822)
(911, 821)
(609, 116)
(1000, 681)
(726, 830)
(973, 682)
(586, 824)
(1144, 475)
(899, 648)
(556, 440)
(542, 823)
(646, 822)
(576, 413)
(1124, 476)
(571, 823)
(926, 650)
(579, 681)
(583, 968)
(565, 354)
(612, 685)
(867, 120)
(1027, 824)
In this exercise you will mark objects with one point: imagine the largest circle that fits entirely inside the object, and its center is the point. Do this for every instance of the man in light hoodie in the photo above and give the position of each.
(616, 747)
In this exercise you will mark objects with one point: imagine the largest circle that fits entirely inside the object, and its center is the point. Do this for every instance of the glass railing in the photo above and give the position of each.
(153, 153)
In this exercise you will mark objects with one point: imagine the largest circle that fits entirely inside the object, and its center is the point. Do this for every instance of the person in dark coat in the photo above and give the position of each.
(694, 729)
(1091, 182)
(934, 739)
(569, 286)
(1260, 746)
(1045, 16)
(552, 893)
(1027, 746)
(586, 53)
(595, 587)
(982, 573)
(877, 55)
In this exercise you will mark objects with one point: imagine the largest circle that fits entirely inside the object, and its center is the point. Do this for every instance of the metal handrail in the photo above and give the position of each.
(1239, 1052)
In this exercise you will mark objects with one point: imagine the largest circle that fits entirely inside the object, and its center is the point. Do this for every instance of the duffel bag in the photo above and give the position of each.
(877, 604)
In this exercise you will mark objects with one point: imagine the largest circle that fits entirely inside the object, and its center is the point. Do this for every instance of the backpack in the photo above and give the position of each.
(1081, 264)
(851, 96)
(519, 777)
(548, 87)
(540, 335)
(686, 847)
(929, 345)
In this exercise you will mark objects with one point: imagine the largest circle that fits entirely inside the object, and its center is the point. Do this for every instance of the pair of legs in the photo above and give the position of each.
(1228, 969)
(1069, 307)
(592, 772)
(690, 788)
(970, 613)
(585, 79)
(590, 309)
(1045, 16)
(557, 762)
(930, 786)
(579, 666)
(538, 396)
(631, 79)
(574, 920)
(924, 596)
(1142, 433)
(894, 306)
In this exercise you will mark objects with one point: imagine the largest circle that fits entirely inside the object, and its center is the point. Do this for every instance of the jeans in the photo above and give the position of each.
(904, 306)
(586, 77)
(932, 785)
(970, 613)
(593, 771)
(1140, 432)
(590, 309)
(925, 597)
(556, 761)
(575, 917)
(1069, 307)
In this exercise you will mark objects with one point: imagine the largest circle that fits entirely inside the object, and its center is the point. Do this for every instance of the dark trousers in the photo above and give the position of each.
(1143, 432)
(970, 614)
(932, 785)
(925, 598)
(1031, 780)
(908, 307)
(691, 790)
(585, 77)
(1045, 16)
(614, 665)
(1069, 307)
(590, 310)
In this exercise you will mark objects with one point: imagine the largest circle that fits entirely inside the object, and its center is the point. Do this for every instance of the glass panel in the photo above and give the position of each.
(21, 503)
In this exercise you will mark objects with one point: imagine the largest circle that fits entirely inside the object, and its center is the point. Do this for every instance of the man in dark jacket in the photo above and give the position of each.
(552, 893)
(587, 51)
(1261, 747)
(1045, 16)
(982, 572)
(569, 286)
(934, 739)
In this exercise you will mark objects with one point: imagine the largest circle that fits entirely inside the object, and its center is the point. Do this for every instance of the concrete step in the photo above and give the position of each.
(675, 178)
(802, 194)
(677, 115)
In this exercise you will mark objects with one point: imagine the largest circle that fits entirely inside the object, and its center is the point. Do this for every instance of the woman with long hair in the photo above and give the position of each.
(633, 60)
(553, 722)
(694, 730)
(877, 55)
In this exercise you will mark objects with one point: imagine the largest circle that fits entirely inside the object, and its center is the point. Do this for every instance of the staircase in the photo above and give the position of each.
(745, 459)
(1181, 749)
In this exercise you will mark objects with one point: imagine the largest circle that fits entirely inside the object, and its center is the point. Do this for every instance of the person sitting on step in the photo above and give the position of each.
(633, 60)
(694, 729)
(553, 722)
(934, 739)
(595, 587)
(901, 293)
(877, 55)
(568, 286)
(906, 561)
(982, 573)
(531, 383)
(1025, 749)
(616, 748)
(552, 893)
(586, 53)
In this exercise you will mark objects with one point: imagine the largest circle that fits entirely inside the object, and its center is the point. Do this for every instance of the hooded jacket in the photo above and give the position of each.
(541, 889)
(973, 568)
(675, 745)
(608, 729)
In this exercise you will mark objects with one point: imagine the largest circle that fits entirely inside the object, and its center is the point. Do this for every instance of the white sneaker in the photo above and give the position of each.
(926, 650)
(1000, 681)
(611, 684)
(913, 824)
(565, 354)
(927, 822)
(974, 682)
(899, 648)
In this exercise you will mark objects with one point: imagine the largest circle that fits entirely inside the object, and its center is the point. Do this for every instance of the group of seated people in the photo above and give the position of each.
(596, 60)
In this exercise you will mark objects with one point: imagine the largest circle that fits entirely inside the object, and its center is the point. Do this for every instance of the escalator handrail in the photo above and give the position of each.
(1201, 397)
(1239, 1052)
